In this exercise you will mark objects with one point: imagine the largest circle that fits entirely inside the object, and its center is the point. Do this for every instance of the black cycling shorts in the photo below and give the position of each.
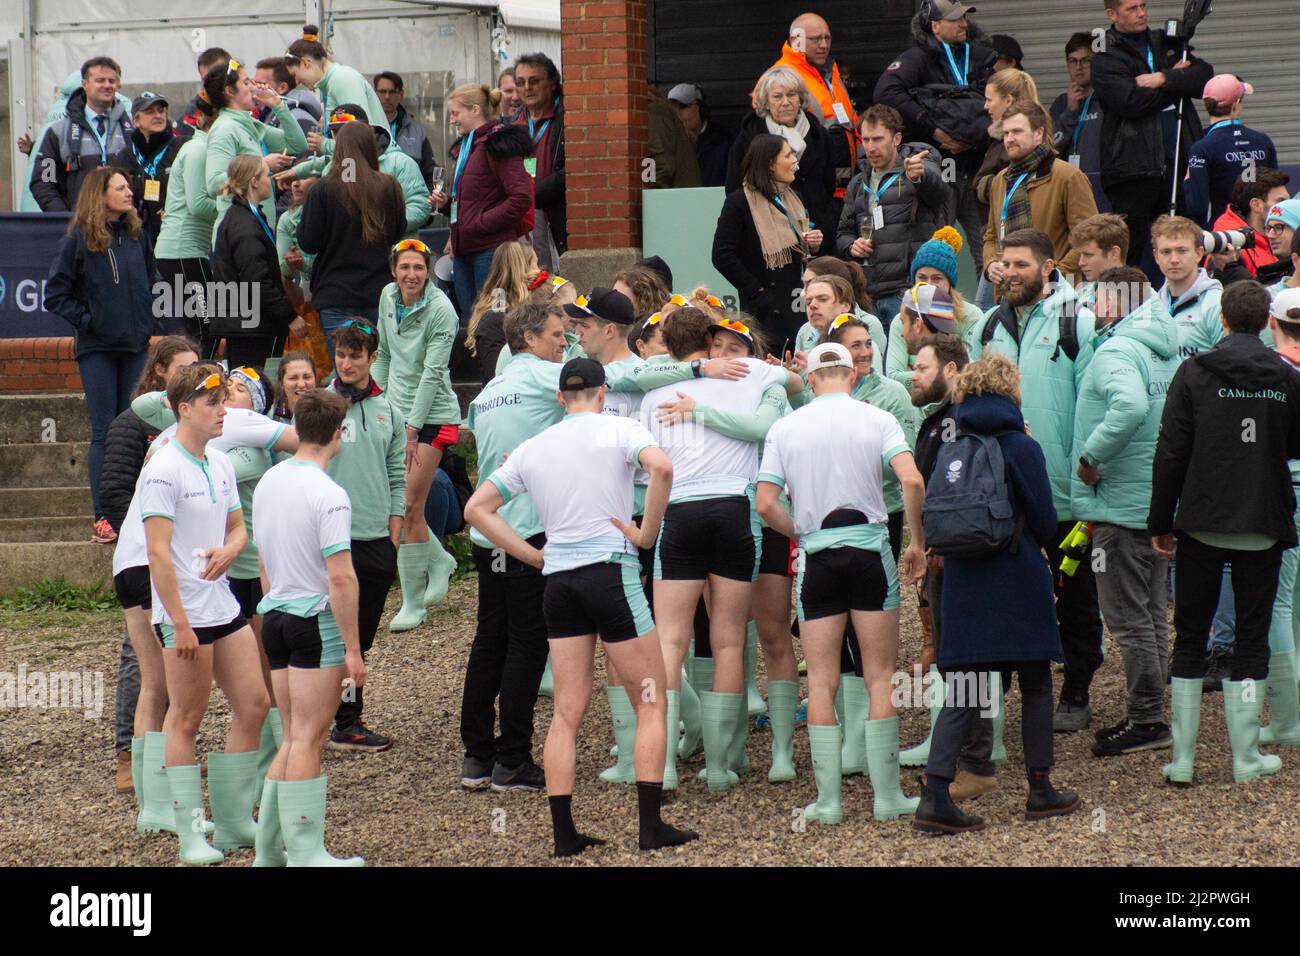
(132, 587)
(248, 592)
(776, 554)
(718, 536)
(839, 580)
(604, 599)
(206, 635)
(307, 642)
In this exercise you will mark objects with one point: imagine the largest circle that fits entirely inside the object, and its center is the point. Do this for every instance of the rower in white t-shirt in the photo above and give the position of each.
(830, 456)
(578, 474)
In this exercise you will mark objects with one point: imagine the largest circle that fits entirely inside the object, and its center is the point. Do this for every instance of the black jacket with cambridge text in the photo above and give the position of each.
(1231, 422)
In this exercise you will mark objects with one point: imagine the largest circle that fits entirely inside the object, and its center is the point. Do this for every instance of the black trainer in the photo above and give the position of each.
(930, 818)
(475, 774)
(1110, 731)
(1218, 668)
(1134, 738)
(360, 738)
(527, 776)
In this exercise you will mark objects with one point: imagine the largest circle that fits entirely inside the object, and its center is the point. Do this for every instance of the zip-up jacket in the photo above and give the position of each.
(186, 231)
(157, 152)
(236, 133)
(371, 466)
(71, 151)
(244, 253)
(127, 442)
(414, 353)
(409, 135)
(1197, 314)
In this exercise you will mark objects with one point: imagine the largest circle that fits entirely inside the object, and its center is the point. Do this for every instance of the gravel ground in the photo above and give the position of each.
(405, 807)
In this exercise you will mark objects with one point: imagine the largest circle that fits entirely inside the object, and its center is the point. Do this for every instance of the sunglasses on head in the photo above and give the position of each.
(714, 301)
(841, 319)
(365, 328)
(338, 119)
(213, 381)
(558, 281)
(678, 300)
(233, 67)
(245, 370)
(407, 244)
(733, 325)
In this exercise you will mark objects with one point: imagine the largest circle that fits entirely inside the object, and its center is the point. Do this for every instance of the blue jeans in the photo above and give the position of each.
(886, 310)
(128, 692)
(442, 511)
(108, 379)
(331, 319)
(1223, 630)
(468, 275)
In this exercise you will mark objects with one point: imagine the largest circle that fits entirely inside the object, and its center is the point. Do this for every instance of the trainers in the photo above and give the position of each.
(527, 776)
(1111, 731)
(104, 533)
(1133, 738)
(1070, 717)
(1218, 668)
(359, 737)
(475, 774)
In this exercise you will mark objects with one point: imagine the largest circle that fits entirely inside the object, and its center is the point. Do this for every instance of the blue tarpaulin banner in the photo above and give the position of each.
(28, 242)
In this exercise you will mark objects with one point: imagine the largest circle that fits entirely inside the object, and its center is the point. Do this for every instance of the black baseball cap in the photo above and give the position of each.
(609, 305)
(1007, 46)
(358, 113)
(146, 100)
(657, 265)
(581, 373)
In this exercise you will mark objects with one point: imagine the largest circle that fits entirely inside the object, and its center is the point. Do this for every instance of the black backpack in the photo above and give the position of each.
(969, 511)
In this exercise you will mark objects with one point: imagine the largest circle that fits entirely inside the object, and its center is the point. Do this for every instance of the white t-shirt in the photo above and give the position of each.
(623, 398)
(579, 475)
(241, 426)
(706, 463)
(131, 550)
(301, 516)
(196, 495)
(830, 454)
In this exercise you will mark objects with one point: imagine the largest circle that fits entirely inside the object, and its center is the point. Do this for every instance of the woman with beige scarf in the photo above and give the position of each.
(764, 234)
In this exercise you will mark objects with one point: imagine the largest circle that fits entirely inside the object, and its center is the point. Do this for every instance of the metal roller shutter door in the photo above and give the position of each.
(1236, 38)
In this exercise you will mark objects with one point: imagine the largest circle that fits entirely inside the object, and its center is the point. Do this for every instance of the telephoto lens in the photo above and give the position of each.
(1216, 242)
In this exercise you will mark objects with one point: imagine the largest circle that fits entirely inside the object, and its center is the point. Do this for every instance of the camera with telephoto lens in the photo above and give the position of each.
(1216, 242)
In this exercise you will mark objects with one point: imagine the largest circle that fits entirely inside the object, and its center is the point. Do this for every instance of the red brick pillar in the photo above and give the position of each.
(605, 96)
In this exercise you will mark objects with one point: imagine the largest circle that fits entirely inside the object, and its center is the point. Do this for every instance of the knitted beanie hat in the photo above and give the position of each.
(940, 252)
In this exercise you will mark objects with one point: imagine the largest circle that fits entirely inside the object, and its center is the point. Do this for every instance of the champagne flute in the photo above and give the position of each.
(866, 226)
(438, 179)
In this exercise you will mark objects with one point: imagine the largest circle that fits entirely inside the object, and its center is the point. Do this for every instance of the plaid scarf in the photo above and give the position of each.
(1019, 215)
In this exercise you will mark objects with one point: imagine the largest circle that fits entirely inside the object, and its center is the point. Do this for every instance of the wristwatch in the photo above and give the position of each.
(697, 366)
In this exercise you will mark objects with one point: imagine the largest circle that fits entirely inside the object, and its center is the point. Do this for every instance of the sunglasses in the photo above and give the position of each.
(338, 119)
(582, 302)
(714, 301)
(357, 323)
(407, 244)
(841, 319)
(233, 67)
(654, 320)
(213, 381)
(732, 325)
(245, 370)
(678, 300)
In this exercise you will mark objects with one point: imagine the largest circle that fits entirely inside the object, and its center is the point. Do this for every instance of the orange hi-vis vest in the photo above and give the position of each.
(827, 97)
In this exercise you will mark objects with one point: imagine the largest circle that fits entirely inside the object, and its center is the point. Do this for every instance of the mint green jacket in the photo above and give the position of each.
(186, 231)
(236, 133)
(414, 355)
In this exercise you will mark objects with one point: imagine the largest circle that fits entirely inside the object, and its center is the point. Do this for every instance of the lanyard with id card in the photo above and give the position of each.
(877, 210)
(1075, 159)
(535, 134)
(461, 160)
(1006, 202)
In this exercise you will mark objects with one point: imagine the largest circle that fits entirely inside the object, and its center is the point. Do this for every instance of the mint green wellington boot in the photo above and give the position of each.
(1184, 721)
(782, 699)
(442, 564)
(755, 704)
(719, 720)
(737, 752)
(824, 742)
(673, 719)
(701, 681)
(999, 718)
(413, 572)
(302, 822)
(624, 718)
(1242, 716)
(690, 715)
(137, 770)
(547, 687)
(155, 813)
(268, 746)
(1283, 703)
(270, 840)
(919, 755)
(882, 764)
(187, 811)
(853, 755)
(232, 782)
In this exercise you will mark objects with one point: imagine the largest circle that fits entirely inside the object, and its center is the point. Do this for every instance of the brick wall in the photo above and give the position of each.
(38, 365)
(605, 96)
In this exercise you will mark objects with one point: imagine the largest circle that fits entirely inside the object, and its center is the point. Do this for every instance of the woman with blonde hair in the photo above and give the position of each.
(514, 270)
(644, 288)
(491, 197)
(245, 253)
(101, 282)
(1021, 636)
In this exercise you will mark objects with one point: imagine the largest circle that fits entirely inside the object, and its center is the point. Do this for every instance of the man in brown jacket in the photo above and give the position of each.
(1036, 191)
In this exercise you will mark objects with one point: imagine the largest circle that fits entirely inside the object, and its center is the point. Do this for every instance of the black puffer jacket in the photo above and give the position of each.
(1133, 135)
(912, 212)
(159, 151)
(815, 180)
(128, 440)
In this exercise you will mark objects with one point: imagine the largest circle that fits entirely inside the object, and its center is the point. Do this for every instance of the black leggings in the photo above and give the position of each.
(194, 326)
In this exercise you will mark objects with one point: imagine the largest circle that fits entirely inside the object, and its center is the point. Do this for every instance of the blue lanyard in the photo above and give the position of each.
(884, 188)
(952, 63)
(1011, 192)
(150, 169)
(461, 160)
(1078, 129)
(537, 137)
(262, 221)
(1227, 122)
(102, 140)
(790, 222)
(1151, 60)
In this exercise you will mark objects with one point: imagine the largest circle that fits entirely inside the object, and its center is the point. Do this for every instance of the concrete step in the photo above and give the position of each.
(48, 529)
(45, 502)
(43, 418)
(40, 465)
(80, 563)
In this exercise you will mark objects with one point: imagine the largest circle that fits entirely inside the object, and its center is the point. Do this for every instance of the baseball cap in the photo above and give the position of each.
(1287, 212)
(1225, 89)
(933, 305)
(1007, 46)
(686, 94)
(949, 10)
(660, 268)
(146, 100)
(1286, 306)
(828, 355)
(607, 304)
(580, 373)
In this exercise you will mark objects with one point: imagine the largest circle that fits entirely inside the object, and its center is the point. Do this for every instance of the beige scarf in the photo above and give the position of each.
(776, 235)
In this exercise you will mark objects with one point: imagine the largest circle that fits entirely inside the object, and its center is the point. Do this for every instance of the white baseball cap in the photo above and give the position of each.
(829, 355)
(1286, 306)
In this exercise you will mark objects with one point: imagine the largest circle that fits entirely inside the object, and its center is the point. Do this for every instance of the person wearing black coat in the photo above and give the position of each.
(1137, 79)
(255, 317)
(149, 154)
(1020, 635)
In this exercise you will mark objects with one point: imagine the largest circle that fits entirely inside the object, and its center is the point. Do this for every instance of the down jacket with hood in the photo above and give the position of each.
(495, 192)
(1117, 417)
(925, 64)
(1051, 379)
(1207, 476)
(71, 151)
(912, 211)
(1197, 314)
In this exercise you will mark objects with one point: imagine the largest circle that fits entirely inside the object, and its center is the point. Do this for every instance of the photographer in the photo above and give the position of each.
(1138, 76)
(1252, 198)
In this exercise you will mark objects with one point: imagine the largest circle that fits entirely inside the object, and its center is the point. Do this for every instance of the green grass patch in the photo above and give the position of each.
(59, 595)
